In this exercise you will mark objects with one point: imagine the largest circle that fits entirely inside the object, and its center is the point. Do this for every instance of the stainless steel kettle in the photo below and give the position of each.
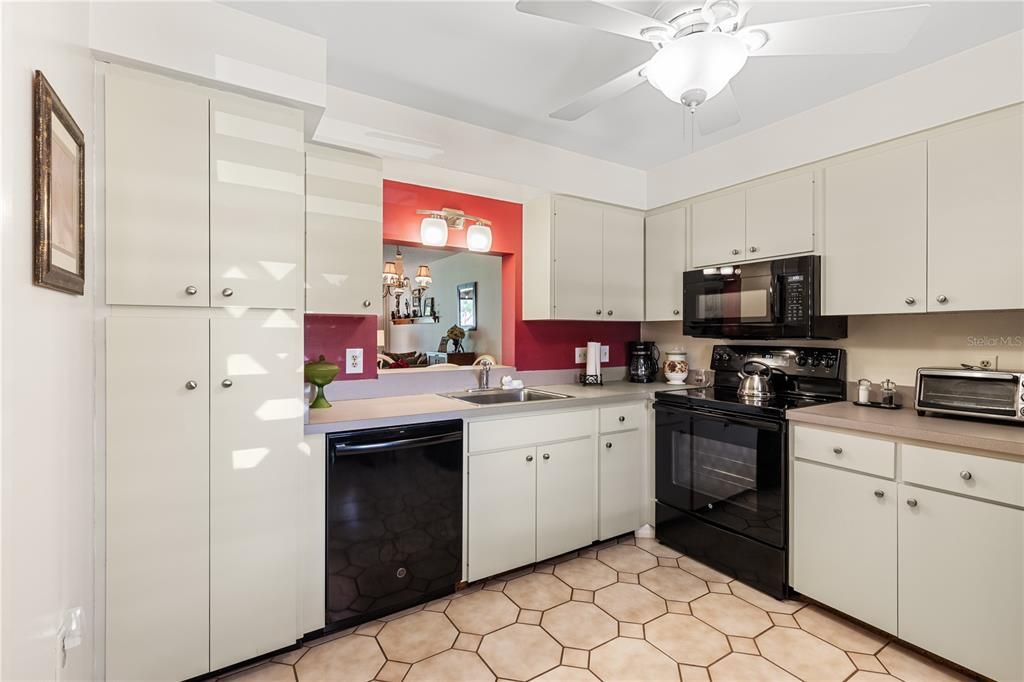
(758, 385)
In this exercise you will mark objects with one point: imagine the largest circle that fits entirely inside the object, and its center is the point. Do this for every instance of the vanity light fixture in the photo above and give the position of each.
(434, 228)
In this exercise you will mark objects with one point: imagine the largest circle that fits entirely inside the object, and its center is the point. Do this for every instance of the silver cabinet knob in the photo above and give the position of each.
(879, 493)
(838, 451)
(622, 418)
(191, 290)
(675, 312)
(941, 299)
(910, 300)
(610, 313)
(598, 312)
(227, 291)
(546, 455)
(911, 502)
(608, 445)
(966, 475)
(191, 385)
(367, 303)
(753, 249)
(529, 458)
(227, 383)
(735, 252)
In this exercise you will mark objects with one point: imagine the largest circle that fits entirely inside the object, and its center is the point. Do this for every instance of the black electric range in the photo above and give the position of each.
(721, 460)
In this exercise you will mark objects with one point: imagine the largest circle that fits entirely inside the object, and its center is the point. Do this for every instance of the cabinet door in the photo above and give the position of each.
(344, 236)
(578, 259)
(876, 239)
(157, 192)
(665, 242)
(976, 215)
(718, 230)
(780, 217)
(623, 264)
(502, 513)
(158, 499)
(960, 586)
(257, 189)
(620, 469)
(256, 448)
(565, 497)
(844, 542)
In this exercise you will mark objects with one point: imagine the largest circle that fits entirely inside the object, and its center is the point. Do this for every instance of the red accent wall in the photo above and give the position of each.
(545, 344)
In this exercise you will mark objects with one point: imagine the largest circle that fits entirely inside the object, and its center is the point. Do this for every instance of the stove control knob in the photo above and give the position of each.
(815, 362)
(830, 362)
(801, 360)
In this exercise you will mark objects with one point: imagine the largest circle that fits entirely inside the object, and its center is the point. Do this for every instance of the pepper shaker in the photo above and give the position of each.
(889, 393)
(863, 390)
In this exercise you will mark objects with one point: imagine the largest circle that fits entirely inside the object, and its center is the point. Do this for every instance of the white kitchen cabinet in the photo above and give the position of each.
(582, 260)
(501, 511)
(255, 449)
(566, 482)
(620, 471)
(976, 214)
(157, 499)
(844, 541)
(257, 204)
(718, 229)
(961, 592)
(876, 231)
(664, 265)
(344, 232)
(623, 264)
(780, 217)
(157, 191)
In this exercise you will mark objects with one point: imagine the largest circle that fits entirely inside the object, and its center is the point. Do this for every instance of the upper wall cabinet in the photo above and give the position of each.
(157, 192)
(344, 234)
(204, 196)
(976, 214)
(876, 217)
(764, 220)
(581, 260)
(665, 263)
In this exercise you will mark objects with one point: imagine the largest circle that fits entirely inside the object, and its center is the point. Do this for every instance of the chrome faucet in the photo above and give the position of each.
(485, 375)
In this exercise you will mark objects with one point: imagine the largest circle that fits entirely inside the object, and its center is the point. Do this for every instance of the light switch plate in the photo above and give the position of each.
(353, 361)
(581, 355)
(604, 353)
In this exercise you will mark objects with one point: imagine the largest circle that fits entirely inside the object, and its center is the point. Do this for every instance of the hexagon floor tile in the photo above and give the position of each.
(619, 611)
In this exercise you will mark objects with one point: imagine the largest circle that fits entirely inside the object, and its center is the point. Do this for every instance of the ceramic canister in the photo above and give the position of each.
(676, 366)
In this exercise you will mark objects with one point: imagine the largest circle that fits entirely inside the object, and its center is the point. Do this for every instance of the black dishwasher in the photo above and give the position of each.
(394, 519)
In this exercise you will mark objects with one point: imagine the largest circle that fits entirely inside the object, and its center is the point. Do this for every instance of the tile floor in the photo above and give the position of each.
(626, 610)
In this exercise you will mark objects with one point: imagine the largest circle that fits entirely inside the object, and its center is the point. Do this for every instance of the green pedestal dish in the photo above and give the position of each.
(320, 373)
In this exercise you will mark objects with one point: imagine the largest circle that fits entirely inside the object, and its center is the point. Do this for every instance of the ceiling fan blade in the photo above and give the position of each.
(876, 31)
(595, 15)
(718, 112)
(619, 85)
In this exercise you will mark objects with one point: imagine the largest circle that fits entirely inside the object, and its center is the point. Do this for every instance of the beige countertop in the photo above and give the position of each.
(370, 412)
(999, 439)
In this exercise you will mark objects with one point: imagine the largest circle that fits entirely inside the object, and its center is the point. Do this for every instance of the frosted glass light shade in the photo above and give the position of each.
(479, 238)
(434, 232)
(695, 68)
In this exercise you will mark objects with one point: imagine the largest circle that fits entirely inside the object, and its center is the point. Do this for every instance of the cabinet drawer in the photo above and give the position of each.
(622, 417)
(844, 450)
(993, 479)
(499, 434)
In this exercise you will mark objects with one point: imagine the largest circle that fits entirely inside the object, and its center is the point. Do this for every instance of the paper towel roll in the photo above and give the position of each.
(594, 358)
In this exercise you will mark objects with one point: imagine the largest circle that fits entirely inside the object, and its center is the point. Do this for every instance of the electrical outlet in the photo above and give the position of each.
(604, 353)
(581, 355)
(988, 361)
(353, 361)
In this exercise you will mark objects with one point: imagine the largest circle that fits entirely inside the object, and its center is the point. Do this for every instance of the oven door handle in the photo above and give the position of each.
(768, 425)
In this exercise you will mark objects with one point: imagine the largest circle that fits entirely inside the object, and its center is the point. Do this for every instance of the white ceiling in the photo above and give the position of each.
(484, 63)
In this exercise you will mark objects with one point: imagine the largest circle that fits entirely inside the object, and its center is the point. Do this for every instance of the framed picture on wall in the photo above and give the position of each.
(467, 305)
(428, 306)
(58, 192)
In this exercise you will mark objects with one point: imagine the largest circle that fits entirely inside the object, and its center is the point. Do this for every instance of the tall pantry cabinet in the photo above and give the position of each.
(204, 224)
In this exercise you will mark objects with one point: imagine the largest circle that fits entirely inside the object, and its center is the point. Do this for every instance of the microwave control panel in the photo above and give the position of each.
(794, 299)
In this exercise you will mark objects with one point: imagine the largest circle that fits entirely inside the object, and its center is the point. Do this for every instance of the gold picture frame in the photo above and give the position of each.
(58, 188)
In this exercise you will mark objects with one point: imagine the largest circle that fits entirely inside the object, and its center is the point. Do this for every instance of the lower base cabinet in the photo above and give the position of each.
(961, 580)
(565, 497)
(621, 468)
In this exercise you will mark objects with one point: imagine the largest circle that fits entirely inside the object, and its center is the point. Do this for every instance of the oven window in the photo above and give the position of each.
(718, 469)
(966, 393)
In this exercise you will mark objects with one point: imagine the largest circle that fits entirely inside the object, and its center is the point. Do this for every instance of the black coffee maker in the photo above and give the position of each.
(643, 361)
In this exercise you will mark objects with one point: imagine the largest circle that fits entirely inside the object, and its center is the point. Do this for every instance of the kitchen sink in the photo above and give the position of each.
(498, 396)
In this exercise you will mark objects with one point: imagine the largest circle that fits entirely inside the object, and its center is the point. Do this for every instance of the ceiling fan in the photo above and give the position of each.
(701, 47)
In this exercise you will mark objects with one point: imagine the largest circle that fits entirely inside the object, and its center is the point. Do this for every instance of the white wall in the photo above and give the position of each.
(983, 78)
(46, 365)
(893, 346)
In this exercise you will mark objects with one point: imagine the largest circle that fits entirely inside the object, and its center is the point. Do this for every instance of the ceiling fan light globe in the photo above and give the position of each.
(701, 62)
(433, 232)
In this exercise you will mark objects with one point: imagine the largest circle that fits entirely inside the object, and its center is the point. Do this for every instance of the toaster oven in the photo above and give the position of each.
(988, 394)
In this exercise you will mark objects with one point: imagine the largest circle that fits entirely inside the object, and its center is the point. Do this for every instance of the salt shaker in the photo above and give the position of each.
(863, 390)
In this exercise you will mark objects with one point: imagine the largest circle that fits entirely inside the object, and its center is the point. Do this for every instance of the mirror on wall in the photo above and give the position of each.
(442, 308)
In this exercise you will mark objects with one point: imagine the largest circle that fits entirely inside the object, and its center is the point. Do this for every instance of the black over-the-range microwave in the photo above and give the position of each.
(777, 299)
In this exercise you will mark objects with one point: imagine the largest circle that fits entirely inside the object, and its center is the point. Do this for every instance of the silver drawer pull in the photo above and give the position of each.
(837, 450)
(227, 383)
(547, 455)
(191, 290)
(191, 385)
(227, 292)
(966, 475)
(910, 300)
(879, 493)
(529, 458)
(675, 312)
(621, 419)
(911, 502)
(367, 303)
